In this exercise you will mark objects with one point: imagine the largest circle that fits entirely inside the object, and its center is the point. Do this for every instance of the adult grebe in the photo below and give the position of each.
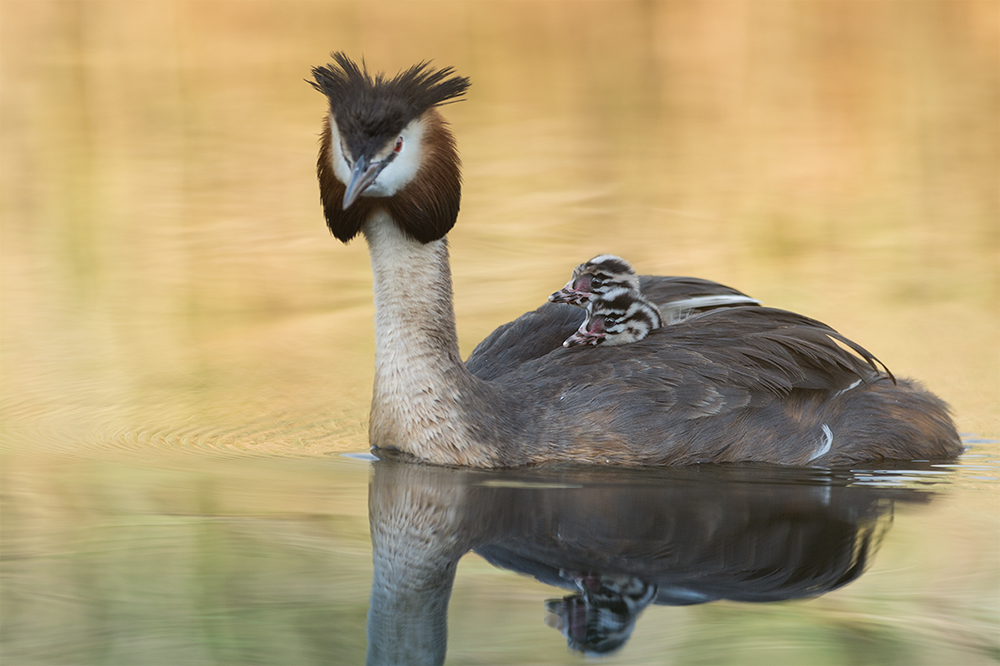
(736, 384)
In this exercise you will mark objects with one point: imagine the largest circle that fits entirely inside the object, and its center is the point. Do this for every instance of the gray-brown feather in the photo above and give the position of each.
(737, 384)
(666, 289)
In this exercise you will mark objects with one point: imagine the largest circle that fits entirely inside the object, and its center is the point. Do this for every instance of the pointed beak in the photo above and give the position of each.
(570, 295)
(363, 175)
(584, 338)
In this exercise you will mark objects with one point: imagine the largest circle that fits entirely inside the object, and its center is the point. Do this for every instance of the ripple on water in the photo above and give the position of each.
(360, 456)
(345, 435)
(282, 437)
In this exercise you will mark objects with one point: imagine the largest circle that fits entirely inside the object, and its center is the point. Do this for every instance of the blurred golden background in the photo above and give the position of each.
(171, 299)
(166, 272)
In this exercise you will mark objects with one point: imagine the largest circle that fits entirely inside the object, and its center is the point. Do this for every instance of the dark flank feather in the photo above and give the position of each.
(530, 336)
(662, 290)
(752, 348)
(735, 384)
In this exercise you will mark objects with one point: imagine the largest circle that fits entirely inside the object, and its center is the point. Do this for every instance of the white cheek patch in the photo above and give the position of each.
(404, 167)
(399, 172)
(341, 167)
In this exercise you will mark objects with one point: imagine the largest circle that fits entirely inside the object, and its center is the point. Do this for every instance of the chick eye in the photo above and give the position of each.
(399, 145)
(597, 282)
(611, 321)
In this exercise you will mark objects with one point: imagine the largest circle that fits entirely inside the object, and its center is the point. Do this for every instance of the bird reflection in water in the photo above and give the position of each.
(618, 539)
(599, 620)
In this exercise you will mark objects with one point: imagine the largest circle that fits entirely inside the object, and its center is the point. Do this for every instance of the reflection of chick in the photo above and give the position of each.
(599, 620)
(616, 317)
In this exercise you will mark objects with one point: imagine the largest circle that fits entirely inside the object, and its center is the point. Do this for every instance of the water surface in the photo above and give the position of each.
(187, 354)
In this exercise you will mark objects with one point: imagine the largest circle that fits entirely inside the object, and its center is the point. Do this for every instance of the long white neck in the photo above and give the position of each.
(421, 383)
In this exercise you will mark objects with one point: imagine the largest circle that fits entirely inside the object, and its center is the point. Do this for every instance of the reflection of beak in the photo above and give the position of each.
(554, 609)
(363, 175)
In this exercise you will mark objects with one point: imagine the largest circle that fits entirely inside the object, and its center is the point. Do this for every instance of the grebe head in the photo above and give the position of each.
(385, 146)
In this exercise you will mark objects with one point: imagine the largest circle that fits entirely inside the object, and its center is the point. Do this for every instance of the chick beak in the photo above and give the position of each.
(584, 338)
(560, 297)
(362, 176)
(569, 294)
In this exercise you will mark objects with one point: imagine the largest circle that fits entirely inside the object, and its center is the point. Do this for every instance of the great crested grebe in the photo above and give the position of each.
(736, 384)
(616, 317)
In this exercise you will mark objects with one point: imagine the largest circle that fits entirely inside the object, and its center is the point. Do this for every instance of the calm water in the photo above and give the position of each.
(187, 354)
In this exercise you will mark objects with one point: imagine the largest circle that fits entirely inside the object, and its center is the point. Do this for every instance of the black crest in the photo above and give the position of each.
(370, 110)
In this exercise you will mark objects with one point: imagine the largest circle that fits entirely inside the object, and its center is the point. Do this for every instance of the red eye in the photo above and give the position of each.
(399, 145)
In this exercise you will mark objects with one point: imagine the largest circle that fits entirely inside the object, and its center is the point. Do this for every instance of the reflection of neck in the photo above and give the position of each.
(415, 550)
(408, 617)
